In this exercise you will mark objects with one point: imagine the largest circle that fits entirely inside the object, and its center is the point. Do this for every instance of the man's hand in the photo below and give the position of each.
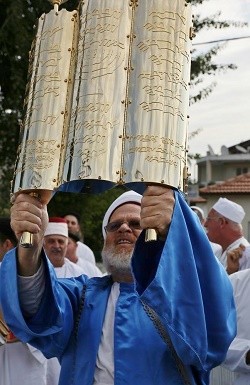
(233, 259)
(29, 214)
(157, 209)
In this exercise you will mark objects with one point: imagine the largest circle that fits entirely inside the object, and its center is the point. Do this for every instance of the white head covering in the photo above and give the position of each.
(199, 210)
(57, 226)
(128, 196)
(229, 210)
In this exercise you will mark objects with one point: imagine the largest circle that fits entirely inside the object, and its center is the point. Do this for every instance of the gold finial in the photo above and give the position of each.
(56, 4)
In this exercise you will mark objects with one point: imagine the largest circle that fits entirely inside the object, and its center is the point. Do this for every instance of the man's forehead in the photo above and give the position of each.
(55, 237)
(127, 208)
(71, 218)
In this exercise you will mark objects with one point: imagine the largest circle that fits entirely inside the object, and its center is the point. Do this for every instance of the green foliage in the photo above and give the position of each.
(203, 63)
(8, 143)
(90, 208)
(17, 29)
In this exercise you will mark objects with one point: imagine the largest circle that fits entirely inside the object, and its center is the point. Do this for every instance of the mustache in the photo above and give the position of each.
(56, 249)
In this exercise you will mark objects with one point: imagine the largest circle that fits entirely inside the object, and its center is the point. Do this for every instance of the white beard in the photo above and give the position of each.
(116, 262)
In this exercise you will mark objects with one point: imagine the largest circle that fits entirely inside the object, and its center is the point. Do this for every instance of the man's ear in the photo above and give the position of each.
(223, 220)
(8, 245)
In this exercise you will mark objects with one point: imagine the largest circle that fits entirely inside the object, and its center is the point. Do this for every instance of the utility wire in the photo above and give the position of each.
(220, 40)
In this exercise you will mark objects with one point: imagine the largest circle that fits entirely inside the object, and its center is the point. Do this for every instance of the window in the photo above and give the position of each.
(241, 170)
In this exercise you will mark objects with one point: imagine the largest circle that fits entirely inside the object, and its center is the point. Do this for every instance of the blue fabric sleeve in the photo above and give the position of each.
(188, 289)
(51, 329)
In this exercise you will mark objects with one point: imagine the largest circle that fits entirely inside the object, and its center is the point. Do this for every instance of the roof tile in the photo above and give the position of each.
(239, 184)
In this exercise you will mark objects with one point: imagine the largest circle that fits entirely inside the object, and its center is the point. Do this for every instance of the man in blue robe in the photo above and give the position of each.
(167, 317)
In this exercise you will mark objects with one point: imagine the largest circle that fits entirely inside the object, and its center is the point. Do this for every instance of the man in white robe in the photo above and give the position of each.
(56, 245)
(223, 225)
(217, 249)
(238, 355)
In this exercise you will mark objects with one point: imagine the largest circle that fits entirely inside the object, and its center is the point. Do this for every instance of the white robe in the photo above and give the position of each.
(221, 375)
(22, 364)
(217, 249)
(69, 269)
(245, 259)
(85, 253)
(235, 359)
(234, 245)
(89, 268)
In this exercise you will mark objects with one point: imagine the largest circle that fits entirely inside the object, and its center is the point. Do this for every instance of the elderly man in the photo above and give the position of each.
(217, 249)
(223, 225)
(55, 245)
(167, 315)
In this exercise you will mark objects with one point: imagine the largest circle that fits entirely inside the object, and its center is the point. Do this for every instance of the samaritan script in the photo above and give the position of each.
(44, 129)
(108, 96)
(129, 115)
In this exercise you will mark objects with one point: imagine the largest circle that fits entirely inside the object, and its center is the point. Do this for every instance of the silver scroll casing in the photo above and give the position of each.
(47, 105)
(94, 150)
(156, 129)
(115, 113)
(129, 112)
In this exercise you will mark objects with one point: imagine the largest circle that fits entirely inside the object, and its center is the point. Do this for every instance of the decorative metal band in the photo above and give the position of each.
(76, 330)
(164, 335)
(127, 102)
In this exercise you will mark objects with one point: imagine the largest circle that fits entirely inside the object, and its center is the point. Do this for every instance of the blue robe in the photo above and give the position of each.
(180, 281)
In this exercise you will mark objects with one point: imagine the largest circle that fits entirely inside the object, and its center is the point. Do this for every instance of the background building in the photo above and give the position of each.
(226, 175)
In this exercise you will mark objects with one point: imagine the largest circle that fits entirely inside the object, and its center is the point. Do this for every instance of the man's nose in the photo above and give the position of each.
(124, 227)
(57, 245)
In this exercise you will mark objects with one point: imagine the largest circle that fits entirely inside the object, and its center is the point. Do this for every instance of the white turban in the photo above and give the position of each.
(57, 226)
(196, 208)
(127, 197)
(229, 210)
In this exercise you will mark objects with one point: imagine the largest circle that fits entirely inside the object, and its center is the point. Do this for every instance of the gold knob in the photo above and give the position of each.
(56, 4)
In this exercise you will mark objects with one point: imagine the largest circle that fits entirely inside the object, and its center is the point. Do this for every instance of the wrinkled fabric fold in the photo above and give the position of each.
(190, 290)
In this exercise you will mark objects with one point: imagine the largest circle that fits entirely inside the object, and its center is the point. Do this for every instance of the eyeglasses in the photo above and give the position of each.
(213, 218)
(133, 224)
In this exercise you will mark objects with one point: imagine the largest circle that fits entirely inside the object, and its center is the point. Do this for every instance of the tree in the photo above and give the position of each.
(202, 63)
(17, 20)
(91, 209)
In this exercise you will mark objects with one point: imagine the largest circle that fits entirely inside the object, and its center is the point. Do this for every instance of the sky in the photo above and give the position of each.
(224, 117)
